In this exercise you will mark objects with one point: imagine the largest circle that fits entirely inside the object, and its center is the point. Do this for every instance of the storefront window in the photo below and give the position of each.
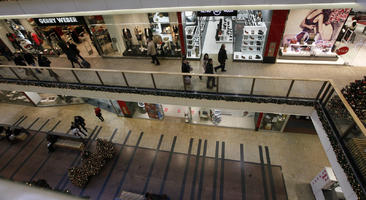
(127, 35)
(351, 41)
(273, 122)
(243, 32)
(55, 32)
(312, 33)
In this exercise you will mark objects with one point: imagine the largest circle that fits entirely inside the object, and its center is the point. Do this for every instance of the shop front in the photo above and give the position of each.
(310, 35)
(126, 35)
(56, 31)
(46, 35)
(243, 32)
(351, 41)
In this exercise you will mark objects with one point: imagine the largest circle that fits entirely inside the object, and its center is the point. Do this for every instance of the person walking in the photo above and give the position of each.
(75, 130)
(31, 60)
(43, 61)
(204, 63)
(151, 50)
(210, 79)
(80, 122)
(222, 57)
(186, 68)
(98, 113)
(19, 60)
(75, 49)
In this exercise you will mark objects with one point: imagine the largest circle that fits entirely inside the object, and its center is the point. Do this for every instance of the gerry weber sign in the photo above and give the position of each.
(49, 21)
(218, 13)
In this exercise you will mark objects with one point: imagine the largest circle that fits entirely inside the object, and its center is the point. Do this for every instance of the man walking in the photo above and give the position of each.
(210, 79)
(222, 57)
(151, 50)
(30, 59)
(98, 113)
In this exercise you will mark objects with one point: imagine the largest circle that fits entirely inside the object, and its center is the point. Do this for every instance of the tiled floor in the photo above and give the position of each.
(285, 148)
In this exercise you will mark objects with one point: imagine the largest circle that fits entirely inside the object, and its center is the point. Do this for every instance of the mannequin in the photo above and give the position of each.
(128, 38)
(138, 33)
(148, 33)
(175, 29)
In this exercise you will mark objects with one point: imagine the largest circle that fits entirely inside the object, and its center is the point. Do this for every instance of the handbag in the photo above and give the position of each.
(85, 64)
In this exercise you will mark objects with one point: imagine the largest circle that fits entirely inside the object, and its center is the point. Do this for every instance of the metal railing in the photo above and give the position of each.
(227, 84)
(324, 92)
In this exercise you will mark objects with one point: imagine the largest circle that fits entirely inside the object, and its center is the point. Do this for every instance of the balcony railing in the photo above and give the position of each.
(346, 125)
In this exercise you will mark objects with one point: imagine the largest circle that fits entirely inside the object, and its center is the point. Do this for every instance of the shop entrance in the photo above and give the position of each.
(56, 30)
(244, 33)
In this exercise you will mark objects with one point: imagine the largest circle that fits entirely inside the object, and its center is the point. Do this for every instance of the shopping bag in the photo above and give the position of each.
(187, 80)
(85, 64)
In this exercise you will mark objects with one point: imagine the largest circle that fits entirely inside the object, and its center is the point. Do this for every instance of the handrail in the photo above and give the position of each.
(163, 73)
(331, 82)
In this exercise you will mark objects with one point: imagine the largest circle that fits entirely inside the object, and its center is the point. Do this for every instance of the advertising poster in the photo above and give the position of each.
(321, 26)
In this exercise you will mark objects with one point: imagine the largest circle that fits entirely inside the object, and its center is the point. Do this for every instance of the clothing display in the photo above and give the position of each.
(127, 38)
(148, 33)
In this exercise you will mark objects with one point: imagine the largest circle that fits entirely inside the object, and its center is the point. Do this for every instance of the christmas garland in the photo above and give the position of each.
(341, 157)
(161, 92)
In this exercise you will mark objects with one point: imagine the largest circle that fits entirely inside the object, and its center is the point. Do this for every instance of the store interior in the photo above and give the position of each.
(25, 35)
(244, 33)
(353, 37)
(127, 35)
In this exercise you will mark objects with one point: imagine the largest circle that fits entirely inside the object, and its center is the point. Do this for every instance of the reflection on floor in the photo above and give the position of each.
(285, 149)
(140, 170)
(210, 46)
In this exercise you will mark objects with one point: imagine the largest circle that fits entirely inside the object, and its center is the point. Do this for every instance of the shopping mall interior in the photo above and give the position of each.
(252, 101)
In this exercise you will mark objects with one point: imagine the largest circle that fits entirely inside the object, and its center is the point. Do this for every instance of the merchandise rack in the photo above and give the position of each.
(252, 44)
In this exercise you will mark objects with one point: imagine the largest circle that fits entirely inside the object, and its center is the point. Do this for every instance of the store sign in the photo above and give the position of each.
(217, 13)
(49, 21)
(342, 50)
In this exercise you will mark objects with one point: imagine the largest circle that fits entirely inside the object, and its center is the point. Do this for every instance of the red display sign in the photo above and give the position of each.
(342, 50)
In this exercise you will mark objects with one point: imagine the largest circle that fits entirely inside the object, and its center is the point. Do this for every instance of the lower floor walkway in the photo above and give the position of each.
(298, 157)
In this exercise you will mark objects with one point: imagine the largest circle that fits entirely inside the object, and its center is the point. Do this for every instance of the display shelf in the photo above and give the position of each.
(227, 31)
(250, 38)
(239, 56)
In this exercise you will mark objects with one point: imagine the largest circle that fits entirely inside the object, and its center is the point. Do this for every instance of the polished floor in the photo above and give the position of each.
(140, 170)
(284, 149)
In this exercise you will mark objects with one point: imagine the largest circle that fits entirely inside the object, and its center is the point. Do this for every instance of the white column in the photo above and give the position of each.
(4, 38)
(115, 31)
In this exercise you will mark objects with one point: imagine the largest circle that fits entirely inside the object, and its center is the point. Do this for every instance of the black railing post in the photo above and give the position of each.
(184, 84)
(12, 70)
(253, 83)
(124, 78)
(290, 88)
(77, 78)
(321, 90)
(325, 93)
(34, 74)
(217, 85)
(100, 79)
(153, 80)
(328, 97)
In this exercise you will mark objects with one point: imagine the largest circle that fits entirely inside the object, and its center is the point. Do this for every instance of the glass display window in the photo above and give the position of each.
(128, 34)
(273, 122)
(244, 33)
(312, 33)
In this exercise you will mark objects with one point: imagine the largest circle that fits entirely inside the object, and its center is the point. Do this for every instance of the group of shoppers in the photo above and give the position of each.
(29, 59)
(207, 66)
(73, 54)
(78, 125)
